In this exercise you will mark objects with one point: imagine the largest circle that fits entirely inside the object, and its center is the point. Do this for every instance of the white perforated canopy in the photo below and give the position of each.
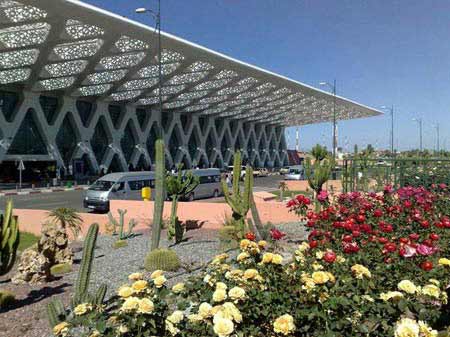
(79, 50)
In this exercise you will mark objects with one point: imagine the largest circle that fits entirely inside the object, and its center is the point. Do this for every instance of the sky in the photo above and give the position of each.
(381, 52)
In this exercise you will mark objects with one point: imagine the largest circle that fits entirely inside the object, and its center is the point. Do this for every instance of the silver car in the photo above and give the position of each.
(209, 184)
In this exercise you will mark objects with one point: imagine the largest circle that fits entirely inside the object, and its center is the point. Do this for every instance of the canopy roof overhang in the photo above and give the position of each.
(74, 49)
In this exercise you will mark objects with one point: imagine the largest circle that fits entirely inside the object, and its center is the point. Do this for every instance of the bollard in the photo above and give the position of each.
(146, 193)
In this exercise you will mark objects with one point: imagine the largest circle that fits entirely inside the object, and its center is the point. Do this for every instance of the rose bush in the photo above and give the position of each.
(373, 265)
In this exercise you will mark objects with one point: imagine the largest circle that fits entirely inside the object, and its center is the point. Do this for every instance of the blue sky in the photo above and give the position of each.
(381, 52)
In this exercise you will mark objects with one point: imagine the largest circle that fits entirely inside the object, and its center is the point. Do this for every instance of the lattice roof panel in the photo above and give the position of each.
(79, 50)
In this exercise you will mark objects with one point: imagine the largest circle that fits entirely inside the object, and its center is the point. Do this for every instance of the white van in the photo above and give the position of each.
(209, 184)
(114, 186)
(296, 172)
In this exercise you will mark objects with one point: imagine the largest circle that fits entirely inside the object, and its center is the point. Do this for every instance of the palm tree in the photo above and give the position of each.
(68, 218)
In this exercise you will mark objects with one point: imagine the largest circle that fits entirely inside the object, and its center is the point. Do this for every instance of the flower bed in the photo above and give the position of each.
(374, 265)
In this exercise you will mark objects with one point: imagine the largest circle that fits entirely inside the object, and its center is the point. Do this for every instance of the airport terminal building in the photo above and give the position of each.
(79, 95)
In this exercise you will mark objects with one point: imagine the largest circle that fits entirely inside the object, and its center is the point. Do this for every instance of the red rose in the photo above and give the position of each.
(382, 240)
(250, 236)
(414, 236)
(347, 238)
(356, 234)
(313, 244)
(276, 234)
(329, 257)
(426, 265)
(378, 213)
(434, 236)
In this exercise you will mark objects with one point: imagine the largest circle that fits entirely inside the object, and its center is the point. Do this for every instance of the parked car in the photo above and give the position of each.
(209, 184)
(261, 172)
(243, 168)
(284, 170)
(117, 186)
(296, 172)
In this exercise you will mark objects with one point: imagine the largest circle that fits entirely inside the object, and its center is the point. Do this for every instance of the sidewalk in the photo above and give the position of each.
(26, 191)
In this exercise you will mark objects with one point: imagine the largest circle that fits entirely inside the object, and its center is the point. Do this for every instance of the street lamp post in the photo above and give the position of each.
(391, 110)
(419, 121)
(157, 17)
(436, 126)
(333, 89)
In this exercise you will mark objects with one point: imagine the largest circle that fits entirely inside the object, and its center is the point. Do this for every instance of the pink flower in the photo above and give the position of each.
(409, 251)
(322, 196)
(426, 250)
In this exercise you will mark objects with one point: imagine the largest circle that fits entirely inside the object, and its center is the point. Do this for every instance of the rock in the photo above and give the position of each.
(54, 244)
(33, 268)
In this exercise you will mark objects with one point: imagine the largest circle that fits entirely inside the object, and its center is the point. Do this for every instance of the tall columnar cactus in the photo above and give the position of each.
(258, 227)
(239, 202)
(9, 239)
(121, 223)
(160, 172)
(84, 273)
(179, 186)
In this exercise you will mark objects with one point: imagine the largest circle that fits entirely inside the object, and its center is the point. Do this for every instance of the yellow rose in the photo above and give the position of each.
(156, 273)
(204, 310)
(219, 258)
(219, 295)
(176, 317)
(236, 293)
(208, 279)
(159, 281)
(230, 311)
(135, 276)
(407, 327)
(61, 328)
(331, 277)
(434, 281)
(131, 303)
(244, 244)
(284, 324)
(360, 271)
(221, 285)
(81, 309)
(277, 259)
(125, 291)
(250, 274)
(340, 259)
(262, 244)
(178, 288)
(123, 329)
(139, 285)
(444, 261)
(223, 327)
(146, 306)
(320, 277)
(267, 258)
(303, 247)
(194, 318)
(407, 286)
(319, 255)
(317, 266)
(95, 333)
(431, 290)
(242, 256)
(426, 330)
(391, 295)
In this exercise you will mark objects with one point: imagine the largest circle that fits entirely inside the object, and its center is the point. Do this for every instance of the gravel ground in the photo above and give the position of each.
(27, 317)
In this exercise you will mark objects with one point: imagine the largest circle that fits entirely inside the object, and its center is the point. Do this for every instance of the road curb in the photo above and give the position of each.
(13, 193)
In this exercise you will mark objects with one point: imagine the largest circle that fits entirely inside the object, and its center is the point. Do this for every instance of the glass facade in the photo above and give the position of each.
(8, 104)
(128, 142)
(49, 106)
(115, 112)
(100, 140)
(66, 140)
(85, 110)
(28, 139)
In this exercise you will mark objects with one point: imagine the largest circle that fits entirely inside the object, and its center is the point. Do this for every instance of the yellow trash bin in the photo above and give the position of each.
(146, 193)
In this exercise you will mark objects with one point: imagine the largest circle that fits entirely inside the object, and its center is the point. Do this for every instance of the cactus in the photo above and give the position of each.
(318, 173)
(179, 186)
(84, 273)
(120, 224)
(56, 312)
(60, 268)
(256, 224)
(6, 298)
(100, 294)
(162, 259)
(9, 239)
(119, 244)
(159, 194)
(240, 203)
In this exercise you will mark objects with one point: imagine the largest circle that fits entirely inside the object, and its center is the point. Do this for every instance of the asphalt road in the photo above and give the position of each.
(74, 199)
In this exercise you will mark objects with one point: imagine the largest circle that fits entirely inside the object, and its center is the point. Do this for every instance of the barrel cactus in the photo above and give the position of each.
(162, 259)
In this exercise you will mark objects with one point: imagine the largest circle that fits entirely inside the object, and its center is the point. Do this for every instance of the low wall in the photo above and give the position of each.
(302, 185)
(209, 215)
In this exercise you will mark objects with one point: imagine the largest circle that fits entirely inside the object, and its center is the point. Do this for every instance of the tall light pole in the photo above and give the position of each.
(436, 126)
(333, 89)
(419, 121)
(157, 17)
(391, 110)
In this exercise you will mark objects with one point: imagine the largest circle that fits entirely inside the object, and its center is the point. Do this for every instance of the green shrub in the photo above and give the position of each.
(6, 298)
(162, 259)
(60, 269)
(119, 244)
